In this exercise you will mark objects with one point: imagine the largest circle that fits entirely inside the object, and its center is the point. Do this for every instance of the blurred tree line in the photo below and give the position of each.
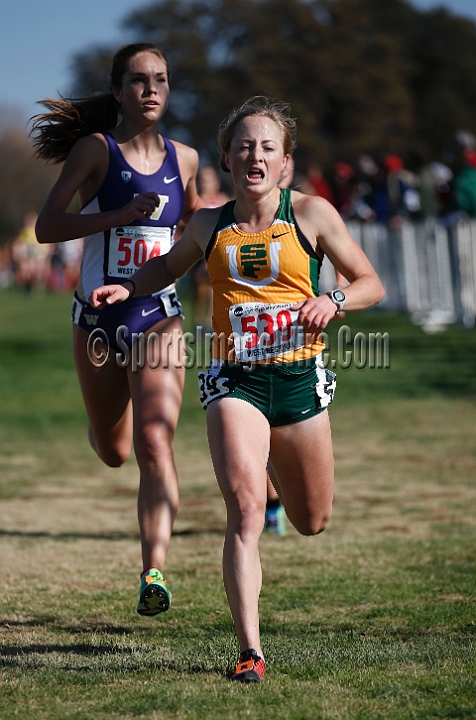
(373, 76)
(361, 75)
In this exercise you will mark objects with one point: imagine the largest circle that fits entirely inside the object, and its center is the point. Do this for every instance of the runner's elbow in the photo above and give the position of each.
(380, 294)
(41, 232)
(45, 231)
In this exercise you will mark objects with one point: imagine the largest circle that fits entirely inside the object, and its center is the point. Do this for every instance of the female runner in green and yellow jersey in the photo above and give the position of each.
(264, 393)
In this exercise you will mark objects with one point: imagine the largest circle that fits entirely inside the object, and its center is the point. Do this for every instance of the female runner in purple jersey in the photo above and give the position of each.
(135, 186)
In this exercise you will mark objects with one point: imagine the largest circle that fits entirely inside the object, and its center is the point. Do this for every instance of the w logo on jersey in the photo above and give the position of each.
(126, 175)
(254, 259)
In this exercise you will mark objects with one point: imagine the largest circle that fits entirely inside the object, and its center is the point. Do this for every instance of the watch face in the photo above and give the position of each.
(338, 296)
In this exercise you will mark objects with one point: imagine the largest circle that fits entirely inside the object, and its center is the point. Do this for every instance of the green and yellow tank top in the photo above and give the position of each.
(256, 278)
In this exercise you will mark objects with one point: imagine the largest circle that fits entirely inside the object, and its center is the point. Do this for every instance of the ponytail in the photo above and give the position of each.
(55, 132)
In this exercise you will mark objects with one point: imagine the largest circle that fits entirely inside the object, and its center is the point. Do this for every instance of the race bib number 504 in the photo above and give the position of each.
(264, 331)
(130, 247)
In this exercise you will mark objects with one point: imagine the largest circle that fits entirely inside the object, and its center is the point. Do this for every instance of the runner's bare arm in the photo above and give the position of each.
(188, 163)
(322, 223)
(84, 171)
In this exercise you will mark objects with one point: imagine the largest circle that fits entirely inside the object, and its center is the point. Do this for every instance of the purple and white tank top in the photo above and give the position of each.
(113, 255)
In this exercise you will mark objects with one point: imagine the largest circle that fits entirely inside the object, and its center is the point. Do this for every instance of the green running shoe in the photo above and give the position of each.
(275, 521)
(155, 597)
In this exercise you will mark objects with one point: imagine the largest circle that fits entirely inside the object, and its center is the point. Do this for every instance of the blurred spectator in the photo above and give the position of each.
(394, 166)
(356, 207)
(343, 186)
(381, 199)
(319, 185)
(31, 260)
(6, 266)
(465, 184)
(397, 192)
(65, 264)
(33, 266)
(443, 176)
(301, 184)
(72, 252)
(368, 167)
(209, 189)
(296, 181)
(430, 205)
(465, 139)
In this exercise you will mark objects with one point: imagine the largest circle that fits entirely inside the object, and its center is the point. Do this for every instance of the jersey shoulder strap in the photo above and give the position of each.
(226, 219)
(285, 209)
(227, 216)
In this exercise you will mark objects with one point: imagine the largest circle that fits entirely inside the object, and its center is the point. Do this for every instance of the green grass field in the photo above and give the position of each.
(373, 619)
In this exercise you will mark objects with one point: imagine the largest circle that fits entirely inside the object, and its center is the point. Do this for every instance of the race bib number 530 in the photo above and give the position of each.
(264, 331)
(130, 247)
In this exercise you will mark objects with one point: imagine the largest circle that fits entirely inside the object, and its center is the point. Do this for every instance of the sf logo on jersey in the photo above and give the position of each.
(254, 265)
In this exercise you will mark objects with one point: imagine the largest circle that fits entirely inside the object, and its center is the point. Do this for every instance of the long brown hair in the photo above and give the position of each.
(68, 119)
(280, 112)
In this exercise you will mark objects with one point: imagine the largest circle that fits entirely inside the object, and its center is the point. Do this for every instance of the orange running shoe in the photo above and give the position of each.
(250, 668)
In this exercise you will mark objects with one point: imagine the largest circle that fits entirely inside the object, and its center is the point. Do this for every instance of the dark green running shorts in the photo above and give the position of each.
(285, 393)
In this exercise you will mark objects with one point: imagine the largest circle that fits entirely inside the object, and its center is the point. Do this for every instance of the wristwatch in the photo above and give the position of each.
(337, 297)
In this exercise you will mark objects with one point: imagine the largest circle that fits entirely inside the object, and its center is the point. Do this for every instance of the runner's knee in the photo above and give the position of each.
(154, 445)
(246, 518)
(113, 455)
(314, 524)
